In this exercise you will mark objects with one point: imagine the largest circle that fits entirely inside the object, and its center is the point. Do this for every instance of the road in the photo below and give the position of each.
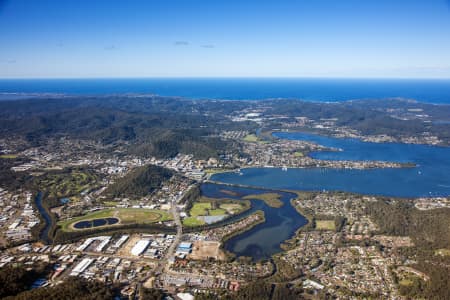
(164, 263)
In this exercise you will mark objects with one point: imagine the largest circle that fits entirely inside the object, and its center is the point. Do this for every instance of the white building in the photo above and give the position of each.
(140, 247)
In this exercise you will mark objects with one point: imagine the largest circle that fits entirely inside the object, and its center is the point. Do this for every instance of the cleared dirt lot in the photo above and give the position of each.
(126, 249)
(203, 250)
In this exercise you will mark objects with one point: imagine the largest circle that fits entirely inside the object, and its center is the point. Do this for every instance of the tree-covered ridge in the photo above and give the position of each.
(160, 127)
(139, 182)
(164, 126)
(429, 229)
(75, 288)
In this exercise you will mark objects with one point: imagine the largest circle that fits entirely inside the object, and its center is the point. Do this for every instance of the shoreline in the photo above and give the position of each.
(362, 138)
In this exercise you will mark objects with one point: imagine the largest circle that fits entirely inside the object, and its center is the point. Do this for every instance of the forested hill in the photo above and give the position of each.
(164, 126)
(154, 126)
(139, 182)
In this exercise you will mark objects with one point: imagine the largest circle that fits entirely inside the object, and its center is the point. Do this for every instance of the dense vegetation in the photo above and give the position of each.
(76, 288)
(154, 126)
(14, 280)
(370, 117)
(429, 229)
(139, 182)
(165, 126)
(10, 179)
(259, 290)
(151, 294)
(435, 288)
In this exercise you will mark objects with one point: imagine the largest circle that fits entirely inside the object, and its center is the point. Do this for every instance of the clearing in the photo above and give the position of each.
(325, 225)
(203, 250)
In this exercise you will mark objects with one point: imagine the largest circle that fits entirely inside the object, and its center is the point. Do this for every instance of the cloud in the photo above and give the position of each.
(209, 46)
(181, 43)
(110, 47)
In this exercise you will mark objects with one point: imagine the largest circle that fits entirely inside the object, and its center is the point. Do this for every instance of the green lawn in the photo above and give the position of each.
(326, 225)
(110, 203)
(298, 154)
(216, 170)
(200, 209)
(406, 282)
(66, 184)
(192, 221)
(126, 216)
(232, 208)
(251, 138)
(8, 156)
(443, 252)
(217, 212)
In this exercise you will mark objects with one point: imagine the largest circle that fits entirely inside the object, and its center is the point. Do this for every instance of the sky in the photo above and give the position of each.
(216, 38)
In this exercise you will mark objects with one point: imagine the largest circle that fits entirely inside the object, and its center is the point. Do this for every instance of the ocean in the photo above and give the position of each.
(328, 90)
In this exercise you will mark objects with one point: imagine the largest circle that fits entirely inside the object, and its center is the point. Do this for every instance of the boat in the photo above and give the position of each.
(284, 168)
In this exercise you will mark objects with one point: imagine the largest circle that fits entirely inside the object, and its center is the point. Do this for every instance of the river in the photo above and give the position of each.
(43, 235)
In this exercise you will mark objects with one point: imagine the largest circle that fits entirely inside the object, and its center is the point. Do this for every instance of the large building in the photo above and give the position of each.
(140, 247)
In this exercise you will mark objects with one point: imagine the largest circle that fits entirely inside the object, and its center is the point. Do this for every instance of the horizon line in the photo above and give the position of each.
(227, 77)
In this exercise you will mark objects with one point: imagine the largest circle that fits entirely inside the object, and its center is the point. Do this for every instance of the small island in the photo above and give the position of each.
(271, 199)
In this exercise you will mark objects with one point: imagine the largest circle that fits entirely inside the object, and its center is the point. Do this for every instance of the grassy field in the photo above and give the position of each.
(326, 225)
(192, 221)
(206, 206)
(217, 212)
(251, 138)
(406, 282)
(298, 154)
(443, 252)
(200, 209)
(216, 170)
(232, 208)
(126, 216)
(110, 203)
(66, 184)
(205, 209)
(271, 199)
(8, 156)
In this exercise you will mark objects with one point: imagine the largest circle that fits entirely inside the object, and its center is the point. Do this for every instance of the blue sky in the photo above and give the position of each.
(192, 38)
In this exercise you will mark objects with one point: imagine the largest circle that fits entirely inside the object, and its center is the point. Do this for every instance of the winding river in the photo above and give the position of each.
(43, 235)
(263, 240)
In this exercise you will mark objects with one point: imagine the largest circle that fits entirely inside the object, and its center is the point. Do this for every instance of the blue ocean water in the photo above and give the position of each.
(332, 90)
(431, 176)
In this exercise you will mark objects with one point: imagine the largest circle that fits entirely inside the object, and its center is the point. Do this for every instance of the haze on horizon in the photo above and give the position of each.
(175, 38)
